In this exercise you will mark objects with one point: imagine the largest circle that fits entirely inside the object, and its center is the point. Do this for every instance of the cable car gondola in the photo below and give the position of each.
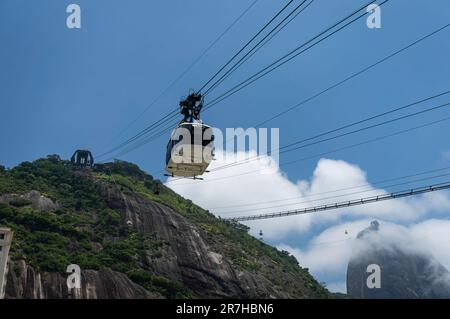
(190, 148)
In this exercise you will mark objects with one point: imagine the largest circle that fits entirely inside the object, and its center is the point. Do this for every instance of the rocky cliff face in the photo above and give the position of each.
(133, 243)
(33, 199)
(188, 256)
(26, 282)
(405, 273)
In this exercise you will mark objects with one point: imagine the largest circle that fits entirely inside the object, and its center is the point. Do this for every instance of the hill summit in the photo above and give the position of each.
(405, 271)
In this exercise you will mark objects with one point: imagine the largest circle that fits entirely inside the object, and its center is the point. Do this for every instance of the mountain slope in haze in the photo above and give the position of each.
(132, 238)
(406, 272)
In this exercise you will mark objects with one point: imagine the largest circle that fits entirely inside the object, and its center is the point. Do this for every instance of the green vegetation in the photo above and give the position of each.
(52, 241)
(56, 180)
(164, 286)
(85, 231)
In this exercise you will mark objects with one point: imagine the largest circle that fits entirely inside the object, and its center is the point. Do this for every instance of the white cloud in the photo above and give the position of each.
(267, 184)
(340, 286)
(327, 254)
(263, 188)
(435, 235)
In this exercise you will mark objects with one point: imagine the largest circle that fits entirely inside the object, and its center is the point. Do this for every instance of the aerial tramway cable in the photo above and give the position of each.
(293, 146)
(259, 45)
(321, 154)
(189, 68)
(345, 204)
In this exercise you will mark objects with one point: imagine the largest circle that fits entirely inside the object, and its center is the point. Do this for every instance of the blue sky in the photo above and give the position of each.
(64, 89)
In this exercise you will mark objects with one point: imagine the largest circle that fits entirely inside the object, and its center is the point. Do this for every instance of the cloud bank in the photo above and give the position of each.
(327, 254)
(261, 187)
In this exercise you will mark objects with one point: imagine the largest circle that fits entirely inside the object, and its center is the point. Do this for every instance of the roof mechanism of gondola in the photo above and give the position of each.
(191, 107)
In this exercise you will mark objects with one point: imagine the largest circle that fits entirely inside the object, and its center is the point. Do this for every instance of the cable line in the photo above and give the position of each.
(264, 43)
(313, 96)
(332, 197)
(182, 74)
(380, 182)
(168, 117)
(345, 204)
(164, 119)
(353, 75)
(257, 46)
(246, 55)
(138, 144)
(246, 45)
(147, 130)
(339, 136)
(319, 154)
(284, 59)
(285, 149)
(175, 112)
(308, 99)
